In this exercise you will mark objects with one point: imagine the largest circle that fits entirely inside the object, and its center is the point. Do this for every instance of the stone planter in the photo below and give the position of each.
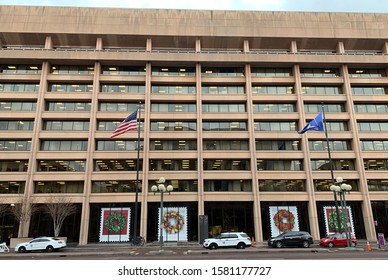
(16, 240)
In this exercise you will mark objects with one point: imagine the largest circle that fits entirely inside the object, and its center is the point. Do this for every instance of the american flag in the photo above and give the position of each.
(130, 123)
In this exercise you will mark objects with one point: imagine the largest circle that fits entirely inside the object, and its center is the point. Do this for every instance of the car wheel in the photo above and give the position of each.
(241, 245)
(50, 248)
(306, 244)
(331, 244)
(213, 246)
(22, 250)
(279, 244)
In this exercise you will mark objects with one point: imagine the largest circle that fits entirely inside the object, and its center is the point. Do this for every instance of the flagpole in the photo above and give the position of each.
(331, 169)
(135, 224)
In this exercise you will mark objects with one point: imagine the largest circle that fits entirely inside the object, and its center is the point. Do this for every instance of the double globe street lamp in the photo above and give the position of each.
(342, 188)
(161, 189)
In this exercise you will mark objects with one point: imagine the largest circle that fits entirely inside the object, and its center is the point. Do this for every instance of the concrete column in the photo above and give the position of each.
(197, 45)
(340, 47)
(293, 47)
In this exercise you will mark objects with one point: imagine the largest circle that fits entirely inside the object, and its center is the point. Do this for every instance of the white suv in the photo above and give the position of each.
(240, 240)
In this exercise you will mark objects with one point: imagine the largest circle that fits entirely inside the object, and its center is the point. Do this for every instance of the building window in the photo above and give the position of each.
(314, 108)
(272, 89)
(13, 87)
(181, 89)
(117, 107)
(70, 88)
(117, 145)
(275, 126)
(223, 108)
(324, 185)
(282, 186)
(271, 72)
(377, 185)
(338, 164)
(223, 90)
(173, 126)
(172, 107)
(223, 71)
(273, 108)
(371, 108)
(112, 125)
(278, 145)
(170, 145)
(124, 70)
(372, 126)
(17, 106)
(12, 187)
(115, 186)
(227, 186)
(369, 90)
(374, 145)
(225, 164)
(68, 106)
(15, 145)
(178, 185)
(287, 165)
(59, 187)
(335, 145)
(239, 145)
(20, 69)
(224, 126)
(367, 73)
(66, 125)
(72, 69)
(376, 164)
(336, 126)
(117, 165)
(321, 90)
(123, 88)
(173, 164)
(64, 145)
(173, 71)
(16, 125)
(61, 165)
(319, 72)
(13, 165)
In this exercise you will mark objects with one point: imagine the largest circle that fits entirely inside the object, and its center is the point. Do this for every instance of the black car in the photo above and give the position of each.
(291, 239)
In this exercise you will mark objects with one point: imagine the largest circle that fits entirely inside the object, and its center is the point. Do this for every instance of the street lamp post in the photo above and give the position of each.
(341, 189)
(162, 189)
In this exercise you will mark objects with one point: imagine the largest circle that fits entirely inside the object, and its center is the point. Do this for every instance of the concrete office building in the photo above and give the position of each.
(223, 94)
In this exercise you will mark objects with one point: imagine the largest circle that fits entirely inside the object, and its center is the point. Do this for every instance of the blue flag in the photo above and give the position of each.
(316, 124)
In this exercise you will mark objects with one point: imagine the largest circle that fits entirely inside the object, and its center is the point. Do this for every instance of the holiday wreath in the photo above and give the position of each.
(333, 222)
(279, 218)
(115, 222)
(178, 221)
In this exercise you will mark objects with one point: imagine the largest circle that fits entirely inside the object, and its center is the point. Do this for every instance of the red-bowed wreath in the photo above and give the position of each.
(279, 217)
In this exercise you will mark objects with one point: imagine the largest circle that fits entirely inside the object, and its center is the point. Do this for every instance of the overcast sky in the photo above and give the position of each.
(368, 6)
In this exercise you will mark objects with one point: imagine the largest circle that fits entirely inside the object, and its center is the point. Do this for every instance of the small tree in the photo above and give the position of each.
(59, 208)
(22, 210)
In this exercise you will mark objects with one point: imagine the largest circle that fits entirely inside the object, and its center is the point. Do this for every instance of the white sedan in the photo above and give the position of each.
(48, 244)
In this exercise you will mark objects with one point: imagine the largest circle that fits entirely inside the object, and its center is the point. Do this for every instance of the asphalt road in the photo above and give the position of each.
(125, 253)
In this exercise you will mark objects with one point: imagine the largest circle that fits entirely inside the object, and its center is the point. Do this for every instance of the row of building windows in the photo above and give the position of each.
(189, 164)
(320, 185)
(187, 89)
(184, 144)
(191, 107)
(190, 71)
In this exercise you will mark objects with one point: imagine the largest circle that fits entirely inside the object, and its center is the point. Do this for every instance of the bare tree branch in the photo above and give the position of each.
(3, 207)
(22, 210)
(59, 208)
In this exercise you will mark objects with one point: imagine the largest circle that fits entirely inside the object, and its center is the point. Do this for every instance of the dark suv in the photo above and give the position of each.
(291, 239)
